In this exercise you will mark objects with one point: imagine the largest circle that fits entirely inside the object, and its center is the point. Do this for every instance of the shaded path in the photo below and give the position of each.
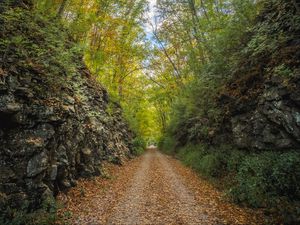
(157, 189)
(158, 196)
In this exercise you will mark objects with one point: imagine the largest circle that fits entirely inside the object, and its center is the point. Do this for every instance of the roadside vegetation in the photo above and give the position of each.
(198, 131)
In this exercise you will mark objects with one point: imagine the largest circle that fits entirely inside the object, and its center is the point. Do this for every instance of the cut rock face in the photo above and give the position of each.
(37, 164)
(48, 141)
(272, 124)
(261, 100)
(54, 127)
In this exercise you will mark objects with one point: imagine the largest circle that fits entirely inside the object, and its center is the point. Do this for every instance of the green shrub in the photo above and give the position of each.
(256, 179)
(211, 165)
(252, 173)
(138, 146)
(285, 176)
(35, 44)
(46, 215)
(234, 159)
(206, 161)
(192, 154)
(211, 162)
(264, 177)
(167, 144)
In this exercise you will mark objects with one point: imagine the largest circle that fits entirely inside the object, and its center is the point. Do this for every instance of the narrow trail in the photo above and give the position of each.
(153, 189)
(158, 196)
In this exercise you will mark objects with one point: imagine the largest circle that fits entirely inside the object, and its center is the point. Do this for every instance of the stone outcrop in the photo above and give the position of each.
(57, 123)
(261, 102)
(273, 120)
(48, 141)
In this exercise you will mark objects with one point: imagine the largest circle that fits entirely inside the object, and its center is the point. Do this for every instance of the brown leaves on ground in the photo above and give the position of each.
(206, 193)
(152, 189)
(91, 198)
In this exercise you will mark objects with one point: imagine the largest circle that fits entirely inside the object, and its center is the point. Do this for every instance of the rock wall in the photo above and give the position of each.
(271, 122)
(261, 102)
(57, 123)
(48, 141)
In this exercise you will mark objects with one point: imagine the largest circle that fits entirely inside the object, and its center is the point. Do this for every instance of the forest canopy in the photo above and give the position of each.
(146, 60)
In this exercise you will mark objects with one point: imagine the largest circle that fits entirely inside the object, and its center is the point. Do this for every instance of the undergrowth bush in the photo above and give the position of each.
(195, 113)
(203, 159)
(46, 215)
(34, 43)
(211, 165)
(167, 144)
(191, 154)
(265, 179)
(138, 146)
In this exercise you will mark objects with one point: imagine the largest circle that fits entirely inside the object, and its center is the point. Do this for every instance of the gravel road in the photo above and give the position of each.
(154, 189)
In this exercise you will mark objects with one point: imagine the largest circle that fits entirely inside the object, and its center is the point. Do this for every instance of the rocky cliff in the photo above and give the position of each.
(57, 123)
(261, 103)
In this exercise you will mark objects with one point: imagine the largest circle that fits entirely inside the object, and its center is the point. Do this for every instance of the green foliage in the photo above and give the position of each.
(233, 158)
(191, 154)
(138, 146)
(31, 42)
(46, 215)
(203, 159)
(141, 115)
(266, 179)
(194, 113)
(211, 165)
(167, 144)
(283, 71)
(274, 20)
(263, 178)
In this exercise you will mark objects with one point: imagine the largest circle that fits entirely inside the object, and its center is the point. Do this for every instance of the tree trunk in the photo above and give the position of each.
(62, 8)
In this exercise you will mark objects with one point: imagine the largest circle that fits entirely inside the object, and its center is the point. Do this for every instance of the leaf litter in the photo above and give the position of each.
(151, 189)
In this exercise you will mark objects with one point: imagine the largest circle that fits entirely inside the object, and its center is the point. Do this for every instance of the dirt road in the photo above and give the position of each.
(154, 189)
